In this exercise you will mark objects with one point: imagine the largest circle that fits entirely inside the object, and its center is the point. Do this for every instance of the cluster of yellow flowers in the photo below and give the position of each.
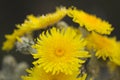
(60, 53)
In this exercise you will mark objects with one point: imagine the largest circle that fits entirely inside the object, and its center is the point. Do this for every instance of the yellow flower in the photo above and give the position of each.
(60, 51)
(38, 73)
(91, 22)
(105, 47)
(31, 24)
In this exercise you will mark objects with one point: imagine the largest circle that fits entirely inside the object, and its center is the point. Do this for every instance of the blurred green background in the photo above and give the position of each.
(15, 11)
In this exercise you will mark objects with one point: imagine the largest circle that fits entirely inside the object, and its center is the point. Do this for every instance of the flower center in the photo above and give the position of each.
(59, 52)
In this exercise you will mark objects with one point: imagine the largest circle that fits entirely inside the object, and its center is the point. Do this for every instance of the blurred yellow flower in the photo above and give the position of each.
(31, 24)
(90, 22)
(38, 73)
(60, 51)
(105, 47)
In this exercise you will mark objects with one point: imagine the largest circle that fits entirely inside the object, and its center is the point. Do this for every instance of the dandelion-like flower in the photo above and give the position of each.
(90, 22)
(105, 47)
(38, 73)
(60, 51)
(31, 24)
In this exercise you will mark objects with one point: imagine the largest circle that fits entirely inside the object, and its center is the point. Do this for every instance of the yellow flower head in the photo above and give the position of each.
(38, 73)
(31, 24)
(105, 47)
(91, 22)
(60, 51)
